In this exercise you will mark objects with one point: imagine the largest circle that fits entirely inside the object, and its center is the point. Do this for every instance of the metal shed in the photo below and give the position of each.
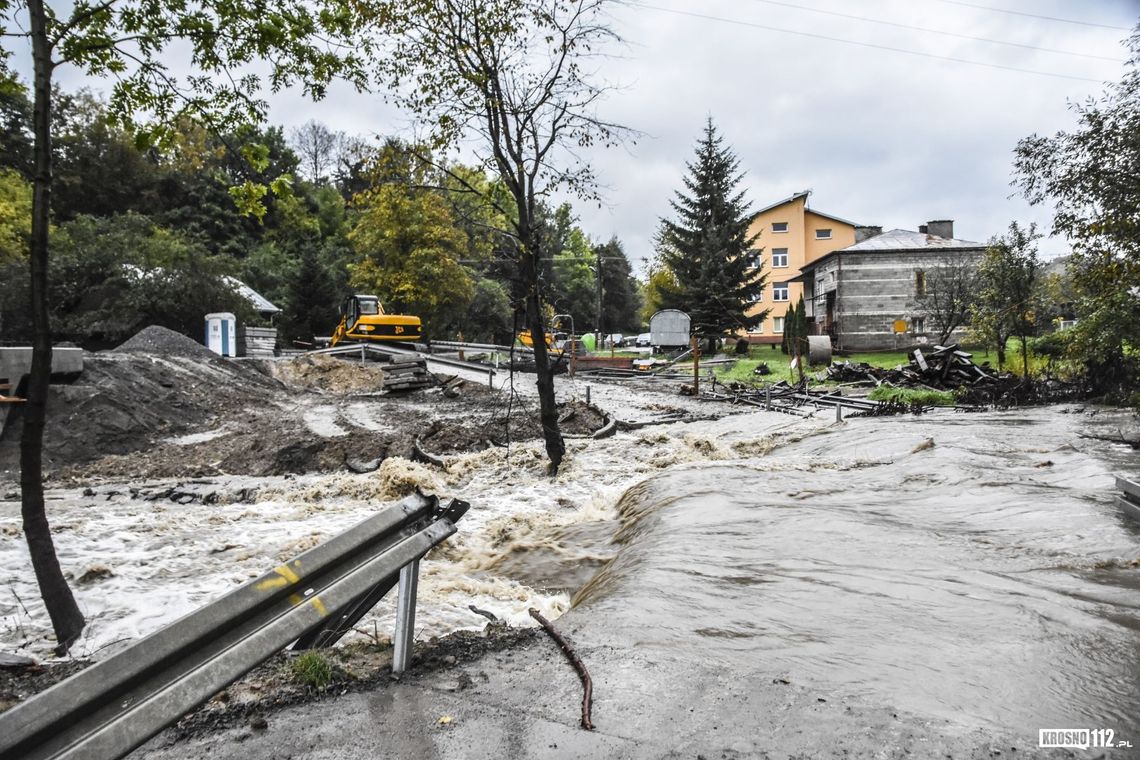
(669, 328)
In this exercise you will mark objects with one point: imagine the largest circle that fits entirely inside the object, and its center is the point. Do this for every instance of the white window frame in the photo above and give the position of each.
(823, 234)
(776, 292)
(777, 231)
(777, 324)
(775, 264)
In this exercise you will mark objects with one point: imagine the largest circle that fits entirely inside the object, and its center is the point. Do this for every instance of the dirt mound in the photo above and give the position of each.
(328, 373)
(125, 402)
(164, 342)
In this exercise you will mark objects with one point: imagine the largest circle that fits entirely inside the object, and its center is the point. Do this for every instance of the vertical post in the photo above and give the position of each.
(768, 398)
(460, 338)
(362, 353)
(405, 616)
(573, 354)
(491, 376)
(695, 349)
(587, 395)
(838, 412)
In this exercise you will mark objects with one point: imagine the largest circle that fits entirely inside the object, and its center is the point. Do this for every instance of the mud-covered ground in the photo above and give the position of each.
(163, 406)
(363, 665)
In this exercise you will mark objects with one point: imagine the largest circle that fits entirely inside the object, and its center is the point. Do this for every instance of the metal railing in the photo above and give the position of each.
(114, 706)
(1129, 500)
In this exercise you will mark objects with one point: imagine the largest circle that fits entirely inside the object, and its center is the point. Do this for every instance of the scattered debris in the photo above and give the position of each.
(948, 368)
(489, 615)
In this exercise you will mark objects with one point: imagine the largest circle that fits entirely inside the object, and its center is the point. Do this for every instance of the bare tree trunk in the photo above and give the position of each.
(547, 407)
(66, 618)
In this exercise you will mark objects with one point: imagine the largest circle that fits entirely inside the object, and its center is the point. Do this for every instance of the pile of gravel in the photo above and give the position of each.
(160, 340)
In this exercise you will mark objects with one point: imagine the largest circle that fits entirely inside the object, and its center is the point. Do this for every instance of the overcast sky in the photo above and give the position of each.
(880, 137)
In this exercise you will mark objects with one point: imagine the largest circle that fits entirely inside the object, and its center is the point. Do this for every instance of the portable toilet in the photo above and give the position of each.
(221, 333)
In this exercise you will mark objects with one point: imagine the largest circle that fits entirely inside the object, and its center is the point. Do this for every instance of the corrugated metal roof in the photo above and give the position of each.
(905, 240)
(260, 302)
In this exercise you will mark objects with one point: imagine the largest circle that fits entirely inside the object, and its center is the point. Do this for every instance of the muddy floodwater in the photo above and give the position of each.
(971, 567)
(968, 567)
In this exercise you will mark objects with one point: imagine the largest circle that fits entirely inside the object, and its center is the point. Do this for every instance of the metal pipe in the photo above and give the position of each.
(405, 616)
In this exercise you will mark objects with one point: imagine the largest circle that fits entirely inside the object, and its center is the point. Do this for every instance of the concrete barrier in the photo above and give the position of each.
(16, 363)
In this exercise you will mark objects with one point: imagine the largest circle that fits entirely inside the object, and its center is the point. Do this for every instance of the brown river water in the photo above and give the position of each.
(985, 576)
(967, 567)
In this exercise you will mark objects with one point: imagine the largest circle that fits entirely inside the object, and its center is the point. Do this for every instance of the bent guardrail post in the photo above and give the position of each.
(405, 616)
(112, 707)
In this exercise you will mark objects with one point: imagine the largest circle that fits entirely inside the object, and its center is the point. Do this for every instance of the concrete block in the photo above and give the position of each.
(16, 362)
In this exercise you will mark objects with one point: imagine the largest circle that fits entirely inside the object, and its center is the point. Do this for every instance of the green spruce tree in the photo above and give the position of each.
(707, 246)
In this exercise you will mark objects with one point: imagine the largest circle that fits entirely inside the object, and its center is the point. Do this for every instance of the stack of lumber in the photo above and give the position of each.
(256, 341)
(407, 375)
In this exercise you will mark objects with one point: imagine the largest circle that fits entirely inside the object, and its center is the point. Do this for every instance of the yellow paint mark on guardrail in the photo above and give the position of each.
(285, 577)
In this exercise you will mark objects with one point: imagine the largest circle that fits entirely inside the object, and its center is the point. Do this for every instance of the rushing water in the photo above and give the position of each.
(966, 566)
(972, 567)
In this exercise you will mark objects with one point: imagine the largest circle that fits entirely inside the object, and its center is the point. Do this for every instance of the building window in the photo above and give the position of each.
(919, 283)
(777, 324)
(779, 226)
(823, 234)
(779, 257)
(757, 329)
(918, 325)
(780, 292)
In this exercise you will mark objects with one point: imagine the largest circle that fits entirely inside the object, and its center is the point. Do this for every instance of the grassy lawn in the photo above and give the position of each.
(780, 364)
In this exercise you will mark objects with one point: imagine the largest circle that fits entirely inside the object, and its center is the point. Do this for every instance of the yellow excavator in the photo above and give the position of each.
(362, 318)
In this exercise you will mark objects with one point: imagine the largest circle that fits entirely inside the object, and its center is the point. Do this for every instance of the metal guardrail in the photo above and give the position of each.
(116, 705)
(389, 350)
(1129, 500)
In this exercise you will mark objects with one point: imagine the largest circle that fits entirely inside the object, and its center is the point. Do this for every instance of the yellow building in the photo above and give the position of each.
(791, 235)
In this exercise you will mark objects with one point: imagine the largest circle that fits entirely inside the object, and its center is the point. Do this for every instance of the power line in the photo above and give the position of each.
(875, 46)
(935, 31)
(1034, 15)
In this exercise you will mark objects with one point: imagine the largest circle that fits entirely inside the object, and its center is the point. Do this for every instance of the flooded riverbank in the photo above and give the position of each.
(966, 567)
(970, 567)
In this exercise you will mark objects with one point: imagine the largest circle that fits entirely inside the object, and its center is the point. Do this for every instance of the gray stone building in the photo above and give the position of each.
(868, 296)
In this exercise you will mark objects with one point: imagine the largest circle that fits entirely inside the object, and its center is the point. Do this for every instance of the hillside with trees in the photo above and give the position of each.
(147, 236)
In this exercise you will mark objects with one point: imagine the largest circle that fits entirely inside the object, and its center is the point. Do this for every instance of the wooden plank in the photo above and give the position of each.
(11, 400)
(1131, 489)
(918, 357)
(1129, 509)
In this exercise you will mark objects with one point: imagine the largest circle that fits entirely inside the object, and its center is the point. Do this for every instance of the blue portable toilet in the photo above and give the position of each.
(221, 333)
